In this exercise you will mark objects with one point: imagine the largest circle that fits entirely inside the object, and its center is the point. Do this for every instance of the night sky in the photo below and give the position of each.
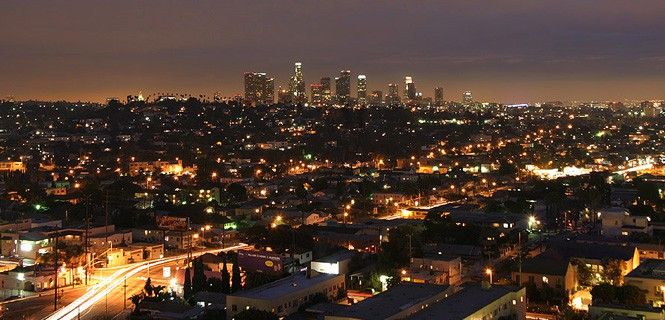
(506, 51)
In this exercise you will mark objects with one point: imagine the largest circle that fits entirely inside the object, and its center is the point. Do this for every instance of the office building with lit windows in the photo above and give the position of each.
(393, 94)
(467, 97)
(326, 91)
(376, 98)
(316, 98)
(259, 88)
(438, 96)
(343, 87)
(284, 296)
(362, 89)
(409, 88)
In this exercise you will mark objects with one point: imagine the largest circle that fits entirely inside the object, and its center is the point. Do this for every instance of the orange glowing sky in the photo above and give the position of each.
(507, 51)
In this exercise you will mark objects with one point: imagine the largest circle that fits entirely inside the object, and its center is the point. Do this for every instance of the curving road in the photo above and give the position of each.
(111, 290)
(105, 300)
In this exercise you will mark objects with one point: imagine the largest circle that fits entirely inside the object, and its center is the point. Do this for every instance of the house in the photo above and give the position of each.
(32, 278)
(450, 266)
(650, 277)
(337, 263)
(595, 256)
(617, 222)
(638, 312)
(401, 301)
(210, 300)
(542, 270)
(478, 302)
(286, 295)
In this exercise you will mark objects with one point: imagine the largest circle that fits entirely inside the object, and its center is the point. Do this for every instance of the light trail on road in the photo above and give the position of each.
(100, 290)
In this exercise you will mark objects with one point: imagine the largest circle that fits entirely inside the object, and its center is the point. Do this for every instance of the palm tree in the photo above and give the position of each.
(69, 255)
(136, 300)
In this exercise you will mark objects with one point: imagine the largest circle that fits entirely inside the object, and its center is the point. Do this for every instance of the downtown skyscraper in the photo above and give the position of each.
(375, 98)
(467, 97)
(343, 87)
(362, 89)
(326, 91)
(438, 96)
(392, 98)
(259, 88)
(297, 85)
(409, 88)
(316, 90)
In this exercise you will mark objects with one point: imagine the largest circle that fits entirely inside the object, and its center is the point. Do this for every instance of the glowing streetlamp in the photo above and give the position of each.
(488, 272)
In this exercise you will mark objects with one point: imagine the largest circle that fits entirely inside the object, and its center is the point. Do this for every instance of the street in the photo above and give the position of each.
(105, 300)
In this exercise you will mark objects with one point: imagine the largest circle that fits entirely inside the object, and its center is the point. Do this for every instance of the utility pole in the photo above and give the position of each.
(55, 265)
(519, 255)
(124, 301)
(410, 247)
(106, 217)
(87, 230)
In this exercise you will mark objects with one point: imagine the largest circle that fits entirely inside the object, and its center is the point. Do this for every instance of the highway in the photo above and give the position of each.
(105, 300)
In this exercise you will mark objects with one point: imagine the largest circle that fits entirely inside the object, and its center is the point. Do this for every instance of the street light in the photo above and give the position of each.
(488, 271)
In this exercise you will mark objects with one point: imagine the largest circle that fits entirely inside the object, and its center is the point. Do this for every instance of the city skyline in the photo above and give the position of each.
(558, 51)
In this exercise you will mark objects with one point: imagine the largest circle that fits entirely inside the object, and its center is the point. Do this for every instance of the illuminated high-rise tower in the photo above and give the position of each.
(393, 94)
(297, 85)
(467, 97)
(326, 92)
(343, 87)
(259, 88)
(438, 96)
(316, 94)
(409, 88)
(362, 89)
(376, 98)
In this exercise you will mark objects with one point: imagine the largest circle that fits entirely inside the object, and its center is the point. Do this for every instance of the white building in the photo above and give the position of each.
(618, 222)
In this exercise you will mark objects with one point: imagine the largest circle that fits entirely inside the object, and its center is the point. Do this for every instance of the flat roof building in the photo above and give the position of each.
(650, 277)
(398, 302)
(478, 302)
(285, 296)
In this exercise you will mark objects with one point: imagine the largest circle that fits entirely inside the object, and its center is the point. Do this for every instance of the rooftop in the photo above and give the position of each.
(464, 303)
(285, 286)
(545, 265)
(574, 249)
(393, 301)
(651, 269)
(336, 257)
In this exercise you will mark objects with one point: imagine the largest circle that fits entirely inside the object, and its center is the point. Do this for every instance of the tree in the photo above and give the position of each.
(187, 286)
(226, 279)
(136, 300)
(236, 192)
(199, 277)
(235, 278)
(214, 285)
(148, 287)
(255, 314)
(257, 279)
(584, 274)
(607, 293)
(612, 272)
(631, 295)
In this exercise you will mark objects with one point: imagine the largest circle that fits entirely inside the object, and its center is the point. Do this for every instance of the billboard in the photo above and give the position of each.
(172, 223)
(260, 261)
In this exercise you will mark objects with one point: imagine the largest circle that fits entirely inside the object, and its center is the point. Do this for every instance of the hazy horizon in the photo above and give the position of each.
(504, 51)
